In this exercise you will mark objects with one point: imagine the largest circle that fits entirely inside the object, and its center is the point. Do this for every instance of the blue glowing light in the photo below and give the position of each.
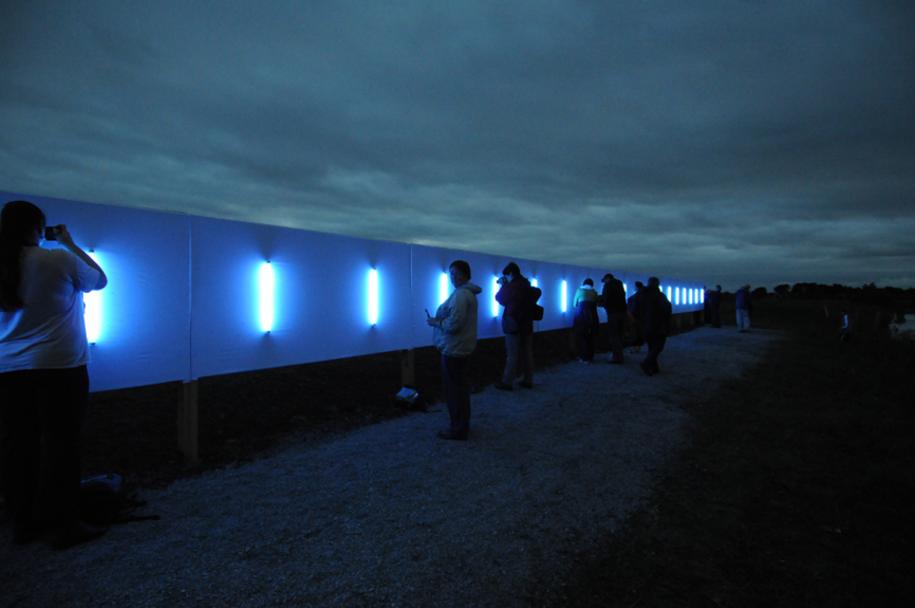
(266, 287)
(564, 296)
(668, 292)
(676, 296)
(444, 282)
(495, 303)
(373, 297)
(702, 297)
(535, 283)
(92, 311)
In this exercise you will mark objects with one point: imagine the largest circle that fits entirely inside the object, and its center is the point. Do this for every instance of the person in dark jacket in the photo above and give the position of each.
(713, 306)
(632, 307)
(653, 312)
(518, 325)
(586, 322)
(613, 299)
(742, 307)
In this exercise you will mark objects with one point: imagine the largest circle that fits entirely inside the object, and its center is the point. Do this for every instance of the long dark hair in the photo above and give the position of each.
(17, 222)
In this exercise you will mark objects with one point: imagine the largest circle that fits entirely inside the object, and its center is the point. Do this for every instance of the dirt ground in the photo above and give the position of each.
(133, 432)
(798, 489)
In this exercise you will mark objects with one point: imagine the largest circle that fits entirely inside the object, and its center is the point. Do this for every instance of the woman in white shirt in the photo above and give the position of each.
(44, 384)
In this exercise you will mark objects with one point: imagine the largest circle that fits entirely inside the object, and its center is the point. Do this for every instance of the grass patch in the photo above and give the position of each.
(798, 487)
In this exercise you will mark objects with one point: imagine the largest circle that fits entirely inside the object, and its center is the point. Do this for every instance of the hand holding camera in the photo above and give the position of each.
(58, 233)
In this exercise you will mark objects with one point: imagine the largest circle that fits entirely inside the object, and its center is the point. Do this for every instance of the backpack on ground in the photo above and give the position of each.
(106, 500)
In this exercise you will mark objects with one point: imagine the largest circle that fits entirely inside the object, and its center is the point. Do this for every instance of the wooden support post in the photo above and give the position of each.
(187, 423)
(408, 368)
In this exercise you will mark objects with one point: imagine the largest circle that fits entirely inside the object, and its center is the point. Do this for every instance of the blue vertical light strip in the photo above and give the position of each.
(535, 283)
(494, 305)
(668, 292)
(266, 289)
(702, 297)
(443, 288)
(676, 296)
(373, 297)
(92, 311)
(564, 296)
(692, 296)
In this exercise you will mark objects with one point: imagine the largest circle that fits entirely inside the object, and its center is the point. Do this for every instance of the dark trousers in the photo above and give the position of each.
(715, 315)
(655, 346)
(42, 414)
(616, 324)
(457, 392)
(584, 340)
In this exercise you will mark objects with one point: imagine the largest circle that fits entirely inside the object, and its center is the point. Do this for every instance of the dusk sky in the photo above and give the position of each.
(727, 142)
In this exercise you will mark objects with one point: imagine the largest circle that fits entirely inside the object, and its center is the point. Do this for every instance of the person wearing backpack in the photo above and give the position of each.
(515, 295)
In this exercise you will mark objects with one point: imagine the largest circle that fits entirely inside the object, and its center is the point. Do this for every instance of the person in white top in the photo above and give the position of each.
(44, 384)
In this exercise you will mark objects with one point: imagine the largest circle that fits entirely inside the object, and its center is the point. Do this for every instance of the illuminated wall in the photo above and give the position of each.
(191, 297)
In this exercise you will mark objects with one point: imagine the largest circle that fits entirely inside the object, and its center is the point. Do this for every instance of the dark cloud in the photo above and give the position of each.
(726, 141)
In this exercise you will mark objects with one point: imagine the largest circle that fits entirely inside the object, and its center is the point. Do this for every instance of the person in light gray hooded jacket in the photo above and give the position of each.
(454, 332)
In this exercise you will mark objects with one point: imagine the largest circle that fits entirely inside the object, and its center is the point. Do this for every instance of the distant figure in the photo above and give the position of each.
(653, 313)
(455, 336)
(586, 322)
(515, 294)
(742, 307)
(44, 383)
(632, 307)
(713, 306)
(613, 299)
(844, 327)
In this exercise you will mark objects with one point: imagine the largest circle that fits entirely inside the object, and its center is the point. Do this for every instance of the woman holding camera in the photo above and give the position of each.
(44, 384)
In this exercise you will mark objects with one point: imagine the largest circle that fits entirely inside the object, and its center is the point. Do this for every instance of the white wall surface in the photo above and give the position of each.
(182, 299)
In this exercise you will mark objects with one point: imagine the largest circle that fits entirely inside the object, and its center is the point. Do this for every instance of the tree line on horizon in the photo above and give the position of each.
(868, 293)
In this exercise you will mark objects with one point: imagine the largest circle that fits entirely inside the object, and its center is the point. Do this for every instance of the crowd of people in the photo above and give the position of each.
(647, 311)
(44, 352)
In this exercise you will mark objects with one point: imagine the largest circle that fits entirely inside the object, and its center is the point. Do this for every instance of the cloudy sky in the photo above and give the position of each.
(729, 141)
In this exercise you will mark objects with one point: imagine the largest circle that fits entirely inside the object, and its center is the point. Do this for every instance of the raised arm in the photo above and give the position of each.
(64, 238)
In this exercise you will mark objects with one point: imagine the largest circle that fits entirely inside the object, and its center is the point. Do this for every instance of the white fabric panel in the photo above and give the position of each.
(182, 299)
(321, 296)
(144, 316)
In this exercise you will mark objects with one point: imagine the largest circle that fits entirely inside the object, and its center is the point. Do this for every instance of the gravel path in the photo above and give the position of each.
(389, 515)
